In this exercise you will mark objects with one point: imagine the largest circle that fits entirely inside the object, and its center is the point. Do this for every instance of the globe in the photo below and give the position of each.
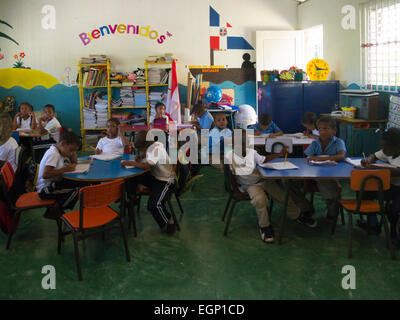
(213, 94)
(246, 116)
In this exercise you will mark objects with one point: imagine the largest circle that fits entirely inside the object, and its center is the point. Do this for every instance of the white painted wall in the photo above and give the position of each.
(187, 20)
(341, 47)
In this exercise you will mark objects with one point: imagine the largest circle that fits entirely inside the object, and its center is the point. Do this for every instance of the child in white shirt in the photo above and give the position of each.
(58, 159)
(115, 140)
(248, 178)
(7, 152)
(25, 118)
(159, 179)
(51, 124)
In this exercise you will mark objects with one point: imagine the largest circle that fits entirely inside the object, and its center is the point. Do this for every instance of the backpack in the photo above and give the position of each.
(6, 210)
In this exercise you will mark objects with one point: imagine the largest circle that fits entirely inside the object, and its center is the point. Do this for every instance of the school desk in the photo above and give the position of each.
(25, 137)
(340, 171)
(260, 140)
(106, 170)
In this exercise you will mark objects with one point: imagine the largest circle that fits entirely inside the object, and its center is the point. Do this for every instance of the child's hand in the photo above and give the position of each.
(18, 114)
(98, 151)
(316, 158)
(257, 133)
(70, 167)
(125, 163)
(365, 163)
(283, 152)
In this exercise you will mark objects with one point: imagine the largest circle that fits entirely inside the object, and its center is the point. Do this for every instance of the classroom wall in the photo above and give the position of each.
(341, 47)
(55, 53)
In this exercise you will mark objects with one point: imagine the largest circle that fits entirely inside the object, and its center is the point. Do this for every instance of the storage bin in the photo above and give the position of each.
(349, 112)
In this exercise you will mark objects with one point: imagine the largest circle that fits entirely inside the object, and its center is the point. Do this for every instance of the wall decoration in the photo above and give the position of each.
(3, 35)
(25, 78)
(236, 75)
(66, 79)
(19, 63)
(129, 29)
(222, 38)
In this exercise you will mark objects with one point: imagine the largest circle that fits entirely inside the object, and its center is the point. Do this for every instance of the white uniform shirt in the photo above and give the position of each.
(108, 145)
(7, 152)
(24, 124)
(161, 167)
(51, 158)
(53, 128)
(245, 169)
(395, 162)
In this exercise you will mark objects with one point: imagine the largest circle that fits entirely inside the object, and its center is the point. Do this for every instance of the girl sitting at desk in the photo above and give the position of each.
(25, 118)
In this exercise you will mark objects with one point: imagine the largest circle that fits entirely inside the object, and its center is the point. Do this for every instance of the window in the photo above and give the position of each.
(380, 45)
(314, 43)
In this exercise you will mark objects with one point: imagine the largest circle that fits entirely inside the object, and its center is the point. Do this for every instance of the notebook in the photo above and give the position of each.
(353, 162)
(279, 165)
(81, 168)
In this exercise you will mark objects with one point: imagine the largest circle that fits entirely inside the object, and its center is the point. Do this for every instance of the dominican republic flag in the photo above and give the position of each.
(221, 38)
(173, 106)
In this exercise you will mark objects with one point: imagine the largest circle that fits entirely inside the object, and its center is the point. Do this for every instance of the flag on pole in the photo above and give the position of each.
(173, 106)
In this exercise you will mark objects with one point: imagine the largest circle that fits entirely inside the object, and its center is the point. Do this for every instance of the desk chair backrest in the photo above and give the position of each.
(7, 174)
(370, 180)
(100, 196)
(275, 145)
(230, 182)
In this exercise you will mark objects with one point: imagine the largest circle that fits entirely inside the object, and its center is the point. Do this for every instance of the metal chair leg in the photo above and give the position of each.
(226, 207)
(128, 256)
(13, 224)
(349, 239)
(132, 219)
(388, 239)
(77, 259)
(179, 202)
(228, 222)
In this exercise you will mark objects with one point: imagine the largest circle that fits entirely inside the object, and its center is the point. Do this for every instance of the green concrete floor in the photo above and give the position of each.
(199, 262)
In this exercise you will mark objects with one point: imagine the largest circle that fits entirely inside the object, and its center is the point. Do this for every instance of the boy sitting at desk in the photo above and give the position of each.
(243, 163)
(328, 147)
(204, 118)
(115, 140)
(51, 125)
(265, 125)
(59, 159)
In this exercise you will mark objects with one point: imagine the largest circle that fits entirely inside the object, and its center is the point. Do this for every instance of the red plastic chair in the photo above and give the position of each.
(94, 215)
(25, 202)
(368, 180)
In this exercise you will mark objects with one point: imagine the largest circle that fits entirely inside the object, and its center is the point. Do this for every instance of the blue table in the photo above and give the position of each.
(306, 171)
(106, 170)
(340, 171)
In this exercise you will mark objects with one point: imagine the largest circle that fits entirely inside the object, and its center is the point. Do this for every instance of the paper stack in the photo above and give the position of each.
(101, 107)
(154, 75)
(126, 97)
(140, 97)
(89, 118)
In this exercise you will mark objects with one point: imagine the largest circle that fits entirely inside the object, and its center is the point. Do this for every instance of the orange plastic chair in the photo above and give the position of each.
(94, 215)
(25, 202)
(368, 180)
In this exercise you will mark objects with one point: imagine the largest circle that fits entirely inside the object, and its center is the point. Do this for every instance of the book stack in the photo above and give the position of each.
(116, 102)
(113, 79)
(154, 75)
(94, 77)
(95, 58)
(101, 107)
(140, 79)
(89, 118)
(126, 97)
(140, 97)
(138, 118)
(157, 96)
(123, 117)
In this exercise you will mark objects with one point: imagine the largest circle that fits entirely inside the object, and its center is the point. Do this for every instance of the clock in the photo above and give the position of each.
(318, 70)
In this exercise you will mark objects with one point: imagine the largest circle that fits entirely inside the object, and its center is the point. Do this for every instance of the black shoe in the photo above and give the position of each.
(171, 228)
(267, 234)
(374, 230)
(305, 219)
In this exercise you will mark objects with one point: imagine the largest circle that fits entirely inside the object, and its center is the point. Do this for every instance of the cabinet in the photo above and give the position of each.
(286, 102)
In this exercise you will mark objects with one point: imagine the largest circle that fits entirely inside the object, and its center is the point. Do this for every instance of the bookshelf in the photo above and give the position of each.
(147, 65)
(97, 75)
(93, 76)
